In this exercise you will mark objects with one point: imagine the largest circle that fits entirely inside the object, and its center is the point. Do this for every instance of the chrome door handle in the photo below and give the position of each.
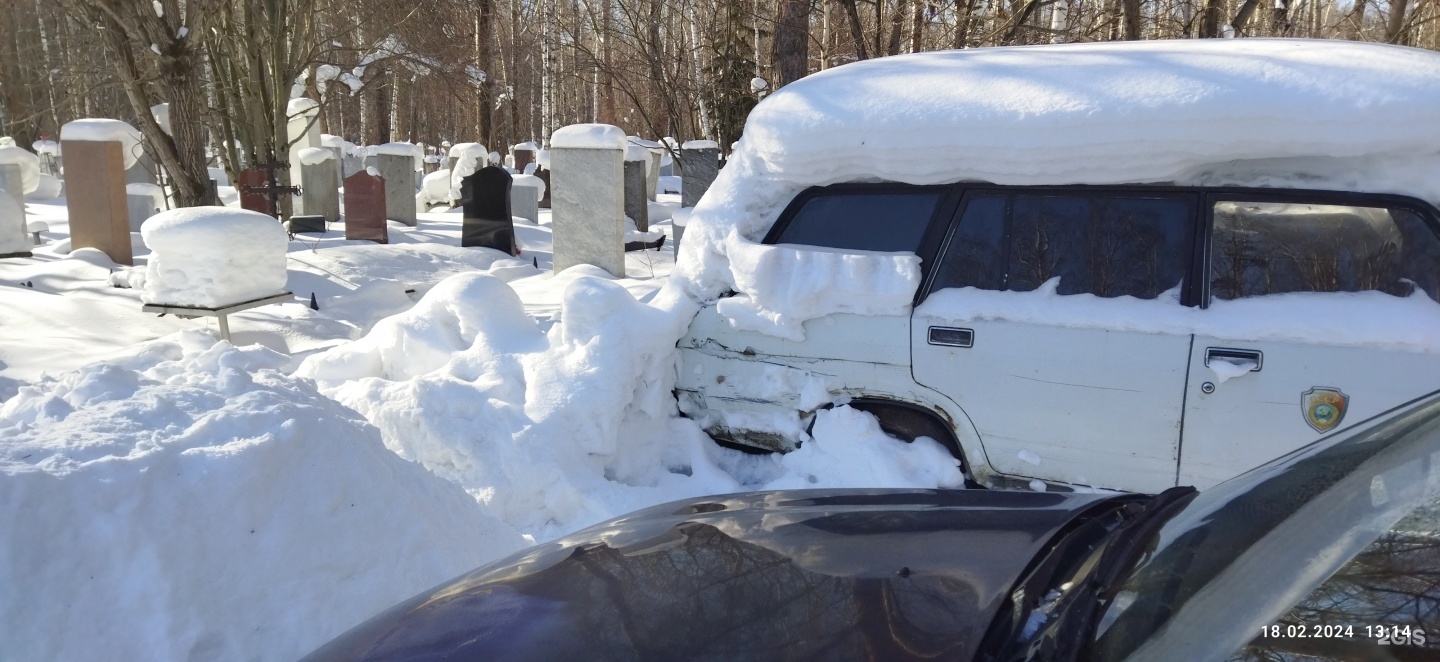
(951, 336)
(1254, 358)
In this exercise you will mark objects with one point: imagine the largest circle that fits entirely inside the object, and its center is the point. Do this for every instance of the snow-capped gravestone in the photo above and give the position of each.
(99, 151)
(396, 163)
(524, 154)
(525, 192)
(486, 203)
(652, 173)
(143, 172)
(250, 182)
(319, 170)
(19, 171)
(143, 201)
(465, 159)
(588, 217)
(304, 132)
(213, 257)
(365, 208)
(637, 205)
(699, 165)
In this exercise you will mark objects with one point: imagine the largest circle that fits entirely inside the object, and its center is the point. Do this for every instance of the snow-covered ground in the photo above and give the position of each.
(166, 495)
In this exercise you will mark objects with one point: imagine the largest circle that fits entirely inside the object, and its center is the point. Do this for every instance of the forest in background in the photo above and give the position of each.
(505, 71)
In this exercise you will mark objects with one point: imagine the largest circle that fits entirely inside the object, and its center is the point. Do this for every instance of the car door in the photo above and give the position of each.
(1322, 313)
(1035, 324)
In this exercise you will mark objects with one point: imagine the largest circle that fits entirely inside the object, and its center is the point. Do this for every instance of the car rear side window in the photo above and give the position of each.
(1261, 248)
(870, 221)
(1104, 243)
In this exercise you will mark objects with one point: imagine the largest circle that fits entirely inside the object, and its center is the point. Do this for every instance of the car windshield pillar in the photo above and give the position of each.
(1244, 552)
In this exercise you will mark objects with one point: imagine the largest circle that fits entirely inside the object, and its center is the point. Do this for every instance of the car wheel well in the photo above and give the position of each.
(907, 422)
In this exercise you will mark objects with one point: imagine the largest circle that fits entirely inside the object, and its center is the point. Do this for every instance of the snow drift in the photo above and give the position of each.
(226, 511)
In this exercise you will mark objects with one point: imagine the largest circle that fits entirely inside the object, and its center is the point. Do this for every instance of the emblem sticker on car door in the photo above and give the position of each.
(1323, 408)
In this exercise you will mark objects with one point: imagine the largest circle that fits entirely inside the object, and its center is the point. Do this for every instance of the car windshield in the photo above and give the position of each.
(1331, 550)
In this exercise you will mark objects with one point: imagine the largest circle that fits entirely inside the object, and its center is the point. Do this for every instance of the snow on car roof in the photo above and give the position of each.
(1252, 112)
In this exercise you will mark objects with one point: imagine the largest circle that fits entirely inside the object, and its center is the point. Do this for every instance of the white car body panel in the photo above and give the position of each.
(1257, 416)
(1083, 406)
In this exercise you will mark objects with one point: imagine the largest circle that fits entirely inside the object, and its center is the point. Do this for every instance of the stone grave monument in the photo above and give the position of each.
(652, 173)
(588, 218)
(14, 232)
(699, 165)
(396, 163)
(99, 151)
(525, 192)
(544, 177)
(365, 208)
(143, 172)
(143, 201)
(318, 174)
(485, 199)
(524, 154)
(637, 205)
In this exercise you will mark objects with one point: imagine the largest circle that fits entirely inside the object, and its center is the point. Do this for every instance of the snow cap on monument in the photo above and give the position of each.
(314, 155)
(99, 129)
(29, 166)
(300, 106)
(213, 256)
(588, 136)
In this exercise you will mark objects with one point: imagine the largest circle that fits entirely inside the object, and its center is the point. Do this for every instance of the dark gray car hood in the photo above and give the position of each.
(806, 574)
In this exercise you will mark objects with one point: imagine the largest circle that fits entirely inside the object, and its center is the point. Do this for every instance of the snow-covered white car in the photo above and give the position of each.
(1129, 266)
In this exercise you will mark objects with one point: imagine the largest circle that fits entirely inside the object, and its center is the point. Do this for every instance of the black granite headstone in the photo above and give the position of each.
(485, 198)
(311, 223)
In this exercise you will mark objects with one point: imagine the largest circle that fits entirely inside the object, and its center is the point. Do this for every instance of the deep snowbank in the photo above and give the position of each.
(555, 430)
(190, 501)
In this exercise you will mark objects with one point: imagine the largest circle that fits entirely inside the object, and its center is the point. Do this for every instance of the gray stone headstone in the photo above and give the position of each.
(140, 207)
(588, 223)
(525, 203)
(143, 172)
(12, 180)
(637, 205)
(350, 165)
(485, 200)
(322, 195)
(399, 174)
(652, 176)
(667, 169)
(370, 162)
(698, 167)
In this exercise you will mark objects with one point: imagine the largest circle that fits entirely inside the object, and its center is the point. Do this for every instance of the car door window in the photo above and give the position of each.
(885, 220)
(1104, 243)
(1261, 248)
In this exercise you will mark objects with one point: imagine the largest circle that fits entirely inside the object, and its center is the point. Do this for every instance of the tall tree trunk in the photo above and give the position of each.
(1394, 25)
(485, 35)
(897, 24)
(1131, 9)
(1242, 16)
(852, 13)
(1210, 19)
(605, 85)
(790, 53)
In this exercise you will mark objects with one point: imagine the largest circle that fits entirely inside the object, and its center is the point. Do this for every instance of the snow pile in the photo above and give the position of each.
(7, 141)
(465, 159)
(434, 189)
(700, 144)
(105, 130)
(314, 155)
(1349, 319)
(1297, 113)
(48, 187)
(301, 106)
(190, 501)
(29, 167)
(780, 287)
(46, 147)
(588, 136)
(555, 430)
(213, 256)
